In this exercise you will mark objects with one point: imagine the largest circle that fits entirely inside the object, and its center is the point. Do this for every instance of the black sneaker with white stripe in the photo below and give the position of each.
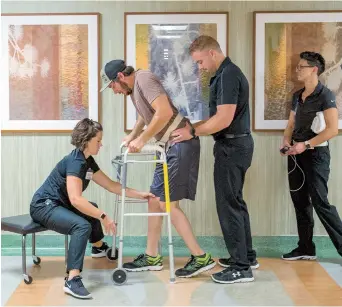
(231, 276)
(76, 288)
(98, 252)
(297, 254)
(227, 262)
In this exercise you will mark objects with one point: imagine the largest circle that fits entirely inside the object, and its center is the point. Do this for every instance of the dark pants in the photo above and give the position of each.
(68, 220)
(314, 194)
(233, 157)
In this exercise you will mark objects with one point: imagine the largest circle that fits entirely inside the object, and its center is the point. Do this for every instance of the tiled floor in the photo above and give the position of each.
(277, 283)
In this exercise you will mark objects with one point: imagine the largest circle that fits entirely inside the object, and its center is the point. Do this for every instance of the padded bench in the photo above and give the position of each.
(24, 225)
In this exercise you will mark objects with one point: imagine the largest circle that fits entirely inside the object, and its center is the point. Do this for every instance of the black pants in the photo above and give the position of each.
(314, 194)
(233, 157)
(68, 220)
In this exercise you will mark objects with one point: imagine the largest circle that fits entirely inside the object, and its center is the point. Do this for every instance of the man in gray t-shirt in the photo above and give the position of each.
(158, 113)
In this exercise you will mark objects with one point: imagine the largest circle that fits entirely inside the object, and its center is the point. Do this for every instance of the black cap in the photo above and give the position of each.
(110, 71)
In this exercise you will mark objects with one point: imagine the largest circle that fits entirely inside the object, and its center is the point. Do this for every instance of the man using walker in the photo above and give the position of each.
(161, 117)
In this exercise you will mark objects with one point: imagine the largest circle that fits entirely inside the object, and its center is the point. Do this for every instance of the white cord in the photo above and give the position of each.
(296, 165)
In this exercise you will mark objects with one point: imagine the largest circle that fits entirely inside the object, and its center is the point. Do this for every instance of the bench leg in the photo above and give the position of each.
(36, 260)
(27, 278)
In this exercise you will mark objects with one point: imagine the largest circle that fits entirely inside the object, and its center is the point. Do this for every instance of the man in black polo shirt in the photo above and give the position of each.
(309, 153)
(229, 124)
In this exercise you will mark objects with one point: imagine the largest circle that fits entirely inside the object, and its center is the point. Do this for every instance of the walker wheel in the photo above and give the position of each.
(109, 254)
(28, 281)
(119, 276)
(37, 261)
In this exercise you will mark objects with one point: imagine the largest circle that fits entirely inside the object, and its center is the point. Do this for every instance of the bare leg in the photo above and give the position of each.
(98, 243)
(183, 227)
(73, 273)
(154, 228)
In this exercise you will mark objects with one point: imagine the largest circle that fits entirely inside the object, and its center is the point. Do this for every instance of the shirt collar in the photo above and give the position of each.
(317, 90)
(225, 63)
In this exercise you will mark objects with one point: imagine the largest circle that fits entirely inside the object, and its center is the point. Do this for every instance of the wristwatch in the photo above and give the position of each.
(307, 145)
(103, 215)
(192, 132)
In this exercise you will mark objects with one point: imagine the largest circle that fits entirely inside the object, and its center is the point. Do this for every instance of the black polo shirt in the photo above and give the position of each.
(55, 188)
(230, 86)
(320, 99)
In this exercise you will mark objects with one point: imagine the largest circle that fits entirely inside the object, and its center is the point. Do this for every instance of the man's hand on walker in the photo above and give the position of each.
(181, 134)
(136, 145)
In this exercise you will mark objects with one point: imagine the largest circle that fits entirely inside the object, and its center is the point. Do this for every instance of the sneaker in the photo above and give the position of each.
(196, 265)
(144, 262)
(227, 262)
(98, 252)
(297, 254)
(76, 288)
(231, 276)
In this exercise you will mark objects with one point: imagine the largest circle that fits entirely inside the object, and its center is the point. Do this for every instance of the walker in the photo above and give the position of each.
(119, 275)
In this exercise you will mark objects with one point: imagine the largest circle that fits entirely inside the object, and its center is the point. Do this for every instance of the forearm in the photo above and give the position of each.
(288, 134)
(116, 188)
(157, 123)
(84, 206)
(214, 124)
(325, 135)
(139, 126)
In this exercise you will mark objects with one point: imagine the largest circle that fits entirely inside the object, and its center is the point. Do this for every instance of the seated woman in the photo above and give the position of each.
(59, 205)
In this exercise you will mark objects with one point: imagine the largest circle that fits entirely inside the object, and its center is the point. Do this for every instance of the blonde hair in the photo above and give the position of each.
(204, 42)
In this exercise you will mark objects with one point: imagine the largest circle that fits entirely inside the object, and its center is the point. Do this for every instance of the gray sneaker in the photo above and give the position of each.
(231, 276)
(76, 288)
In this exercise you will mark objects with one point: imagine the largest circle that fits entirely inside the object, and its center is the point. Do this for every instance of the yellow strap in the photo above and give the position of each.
(166, 187)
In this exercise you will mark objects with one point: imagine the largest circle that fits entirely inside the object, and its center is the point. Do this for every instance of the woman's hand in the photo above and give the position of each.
(146, 195)
(109, 225)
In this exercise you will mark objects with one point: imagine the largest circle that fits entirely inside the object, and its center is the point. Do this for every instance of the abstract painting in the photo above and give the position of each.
(160, 43)
(51, 71)
(279, 39)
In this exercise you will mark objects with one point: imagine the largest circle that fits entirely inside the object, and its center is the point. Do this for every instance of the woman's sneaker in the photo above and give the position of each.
(144, 262)
(98, 252)
(227, 262)
(196, 265)
(76, 288)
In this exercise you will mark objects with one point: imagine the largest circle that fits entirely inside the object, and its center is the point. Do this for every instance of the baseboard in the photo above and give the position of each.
(266, 246)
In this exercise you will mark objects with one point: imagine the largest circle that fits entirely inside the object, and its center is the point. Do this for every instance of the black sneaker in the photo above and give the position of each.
(196, 265)
(227, 262)
(144, 263)
(76, 288)
(98, 252)
(231, 276)
(297, 254)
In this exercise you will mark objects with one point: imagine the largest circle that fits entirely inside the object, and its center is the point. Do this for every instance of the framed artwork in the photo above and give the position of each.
(50, 74)
(279, 38)
(159, 42)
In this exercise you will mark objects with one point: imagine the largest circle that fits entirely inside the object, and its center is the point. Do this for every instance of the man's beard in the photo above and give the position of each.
(126, 88)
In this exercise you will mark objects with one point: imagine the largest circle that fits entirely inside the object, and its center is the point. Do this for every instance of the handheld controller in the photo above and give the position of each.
(284, 149)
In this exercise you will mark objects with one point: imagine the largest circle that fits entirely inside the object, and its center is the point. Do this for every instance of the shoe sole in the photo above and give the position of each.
(300, 258)
(67, 290)
(204, 269)
(253, 267)
(99, 255)
(241, 280)
(146, 268)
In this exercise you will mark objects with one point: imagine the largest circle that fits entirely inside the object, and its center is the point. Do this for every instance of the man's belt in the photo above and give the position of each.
(230, 136)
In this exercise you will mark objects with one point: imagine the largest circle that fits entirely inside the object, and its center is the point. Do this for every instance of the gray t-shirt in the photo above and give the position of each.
(147, 87)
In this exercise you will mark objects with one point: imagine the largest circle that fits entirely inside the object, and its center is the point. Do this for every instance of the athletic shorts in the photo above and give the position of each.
(183, 164)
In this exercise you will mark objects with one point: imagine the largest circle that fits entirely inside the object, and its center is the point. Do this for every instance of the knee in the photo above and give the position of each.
(84, 228)
(153, 204)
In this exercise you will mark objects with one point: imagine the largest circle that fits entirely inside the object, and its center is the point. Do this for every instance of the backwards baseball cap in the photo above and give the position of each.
(110, 71)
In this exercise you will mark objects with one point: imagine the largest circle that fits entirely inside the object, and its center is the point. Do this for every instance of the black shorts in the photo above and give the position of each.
(183, 165)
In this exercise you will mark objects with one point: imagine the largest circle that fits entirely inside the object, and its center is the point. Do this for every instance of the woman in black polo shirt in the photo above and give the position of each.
(309, 157)
(59, 205)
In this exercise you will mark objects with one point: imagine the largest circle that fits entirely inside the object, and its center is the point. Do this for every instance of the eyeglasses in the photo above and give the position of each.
(300, 67)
